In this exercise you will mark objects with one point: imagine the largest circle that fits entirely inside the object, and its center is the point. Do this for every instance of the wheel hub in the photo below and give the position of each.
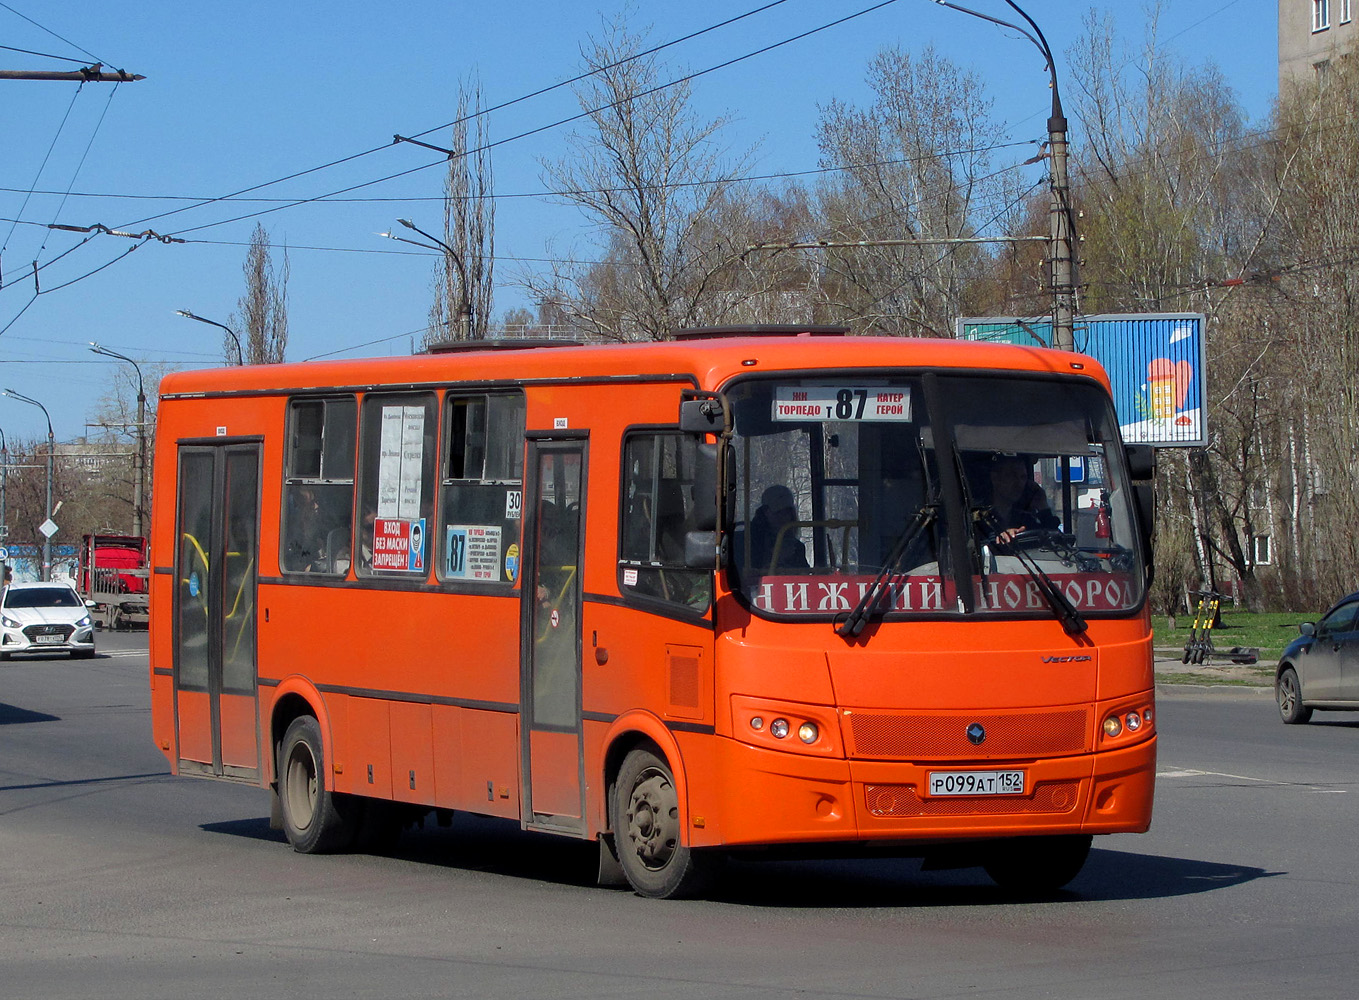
(653, 819)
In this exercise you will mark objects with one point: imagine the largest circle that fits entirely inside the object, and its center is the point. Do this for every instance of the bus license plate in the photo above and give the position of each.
(976, 782)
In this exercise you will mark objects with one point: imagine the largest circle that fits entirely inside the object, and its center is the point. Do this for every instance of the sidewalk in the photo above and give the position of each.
(1219, 675)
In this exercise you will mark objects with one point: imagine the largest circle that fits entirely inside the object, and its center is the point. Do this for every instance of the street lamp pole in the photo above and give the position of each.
(1062, 241)
(139, 475)
(464, 298)
(46, 538)
(240, 358)
(4, 481)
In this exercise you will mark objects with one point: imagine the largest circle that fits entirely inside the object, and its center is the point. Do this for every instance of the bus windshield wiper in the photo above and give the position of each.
(854, 622)
(1061, 605)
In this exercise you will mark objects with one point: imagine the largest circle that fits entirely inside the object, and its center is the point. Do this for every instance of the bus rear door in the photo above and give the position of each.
(216, 695)
(550, 698)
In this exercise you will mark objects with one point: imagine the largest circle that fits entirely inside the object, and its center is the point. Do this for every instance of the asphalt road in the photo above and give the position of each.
(119, 881)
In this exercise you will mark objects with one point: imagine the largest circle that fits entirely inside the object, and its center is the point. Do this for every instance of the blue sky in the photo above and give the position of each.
(244, 93)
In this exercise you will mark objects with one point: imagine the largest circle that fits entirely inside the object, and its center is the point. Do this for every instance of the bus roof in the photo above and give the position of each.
(707, 362)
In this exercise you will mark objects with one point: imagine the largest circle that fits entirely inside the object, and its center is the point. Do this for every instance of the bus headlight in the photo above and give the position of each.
(1112, 727)
(807, 732)
(778, 729)
(1133, 721)
(756, 722)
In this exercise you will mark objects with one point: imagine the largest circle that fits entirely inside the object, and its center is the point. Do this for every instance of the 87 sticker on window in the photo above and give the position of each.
(828, 403)
(976, 782)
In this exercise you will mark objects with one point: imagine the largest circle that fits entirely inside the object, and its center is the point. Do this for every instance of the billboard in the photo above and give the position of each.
(1155, 363)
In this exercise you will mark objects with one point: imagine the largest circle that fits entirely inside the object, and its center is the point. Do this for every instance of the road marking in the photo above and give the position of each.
(1187, 772)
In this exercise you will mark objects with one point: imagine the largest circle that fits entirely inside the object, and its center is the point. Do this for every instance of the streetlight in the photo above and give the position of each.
(240, 358)
(46, 538)
(4, 481)
(1063, 235)
(139, 483)
(464, 302)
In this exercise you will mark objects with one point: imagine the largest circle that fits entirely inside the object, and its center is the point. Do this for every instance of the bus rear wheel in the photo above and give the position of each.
(1037, 865)
(647, 832)
(315, 819)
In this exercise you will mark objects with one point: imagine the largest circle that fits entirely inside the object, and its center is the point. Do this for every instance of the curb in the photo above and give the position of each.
(1245, 691)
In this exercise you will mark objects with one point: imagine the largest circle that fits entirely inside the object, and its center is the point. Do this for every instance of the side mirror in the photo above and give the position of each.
(1308, 628)
(704, 415)
(700, 549)
(704, 515)
(89, 603)
(1141, 460)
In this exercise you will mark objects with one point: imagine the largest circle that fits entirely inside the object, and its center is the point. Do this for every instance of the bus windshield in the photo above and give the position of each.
(974, 495)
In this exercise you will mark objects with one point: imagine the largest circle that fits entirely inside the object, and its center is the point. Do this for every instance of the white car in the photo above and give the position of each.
(44, 617)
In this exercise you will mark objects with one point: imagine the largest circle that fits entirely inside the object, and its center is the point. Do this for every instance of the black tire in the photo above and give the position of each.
(1288, 694)
(648, 833)
(315, 819)
(1185, 657)
(1037, 865)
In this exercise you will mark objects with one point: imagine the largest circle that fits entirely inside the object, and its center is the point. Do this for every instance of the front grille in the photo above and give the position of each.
(895, 801)
(33, 631)
(1009, 735)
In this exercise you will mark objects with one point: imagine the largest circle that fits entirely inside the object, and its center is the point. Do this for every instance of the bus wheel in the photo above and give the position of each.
(314, 818)
(1037, 865)
(646, 828)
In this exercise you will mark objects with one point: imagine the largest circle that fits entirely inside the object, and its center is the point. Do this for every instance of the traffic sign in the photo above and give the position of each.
(48, 528)
(4, 553)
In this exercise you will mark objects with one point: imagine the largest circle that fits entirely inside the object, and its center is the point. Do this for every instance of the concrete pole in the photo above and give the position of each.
(1062, 244)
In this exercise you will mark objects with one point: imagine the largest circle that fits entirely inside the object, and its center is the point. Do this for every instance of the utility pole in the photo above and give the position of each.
(1062, 237)
(87, 74)
(139, 474)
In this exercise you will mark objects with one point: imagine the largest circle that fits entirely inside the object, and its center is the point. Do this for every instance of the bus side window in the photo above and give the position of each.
(396, 484)
(658, 504)
(481, 489)
(318, 486)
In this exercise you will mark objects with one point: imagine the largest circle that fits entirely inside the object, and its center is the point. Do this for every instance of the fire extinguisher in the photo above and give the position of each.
(1102, 516)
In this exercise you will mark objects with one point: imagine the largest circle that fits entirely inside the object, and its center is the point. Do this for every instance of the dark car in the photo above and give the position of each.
(1320, 668)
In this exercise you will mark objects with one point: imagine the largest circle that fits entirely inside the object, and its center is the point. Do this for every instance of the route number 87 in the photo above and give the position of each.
(844, 404)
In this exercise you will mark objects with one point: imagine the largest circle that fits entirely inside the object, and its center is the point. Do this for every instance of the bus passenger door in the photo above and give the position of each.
(550, 673)
(216, 699)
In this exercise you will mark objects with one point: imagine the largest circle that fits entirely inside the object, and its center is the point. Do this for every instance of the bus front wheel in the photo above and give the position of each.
(646, 828)
(315, 819)
(1037, 864)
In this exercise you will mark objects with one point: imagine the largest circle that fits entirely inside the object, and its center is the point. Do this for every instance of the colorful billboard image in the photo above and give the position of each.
(1155, 363)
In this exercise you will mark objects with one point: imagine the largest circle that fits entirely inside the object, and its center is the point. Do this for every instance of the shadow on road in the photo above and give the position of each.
(13, 715)
(499, 847)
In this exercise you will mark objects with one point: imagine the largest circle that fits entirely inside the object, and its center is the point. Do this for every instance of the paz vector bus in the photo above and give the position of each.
(756, 591)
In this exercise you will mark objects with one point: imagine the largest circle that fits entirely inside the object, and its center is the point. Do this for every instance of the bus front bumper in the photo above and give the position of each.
(766, 797)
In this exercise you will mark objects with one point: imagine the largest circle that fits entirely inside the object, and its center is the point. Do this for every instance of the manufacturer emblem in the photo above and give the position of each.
(976, 733)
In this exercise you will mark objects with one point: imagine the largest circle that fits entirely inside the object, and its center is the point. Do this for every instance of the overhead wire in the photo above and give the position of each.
(49, 31)
(42, 166)
(505, 104)
(533, 131)
(518, 195)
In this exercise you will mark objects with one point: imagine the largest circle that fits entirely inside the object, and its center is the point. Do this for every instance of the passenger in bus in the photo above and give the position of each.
(1019, 504)
(306, 536)
(771, 546)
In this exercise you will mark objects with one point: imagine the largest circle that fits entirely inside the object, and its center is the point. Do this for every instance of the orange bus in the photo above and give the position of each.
(753, 590)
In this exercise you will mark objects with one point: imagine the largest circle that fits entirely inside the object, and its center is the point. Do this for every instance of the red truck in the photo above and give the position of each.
(114, 575)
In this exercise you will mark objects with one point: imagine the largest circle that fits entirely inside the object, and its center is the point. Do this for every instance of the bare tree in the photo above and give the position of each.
(652, 178)
(262, 312)
(916, 164)
(464, 280)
